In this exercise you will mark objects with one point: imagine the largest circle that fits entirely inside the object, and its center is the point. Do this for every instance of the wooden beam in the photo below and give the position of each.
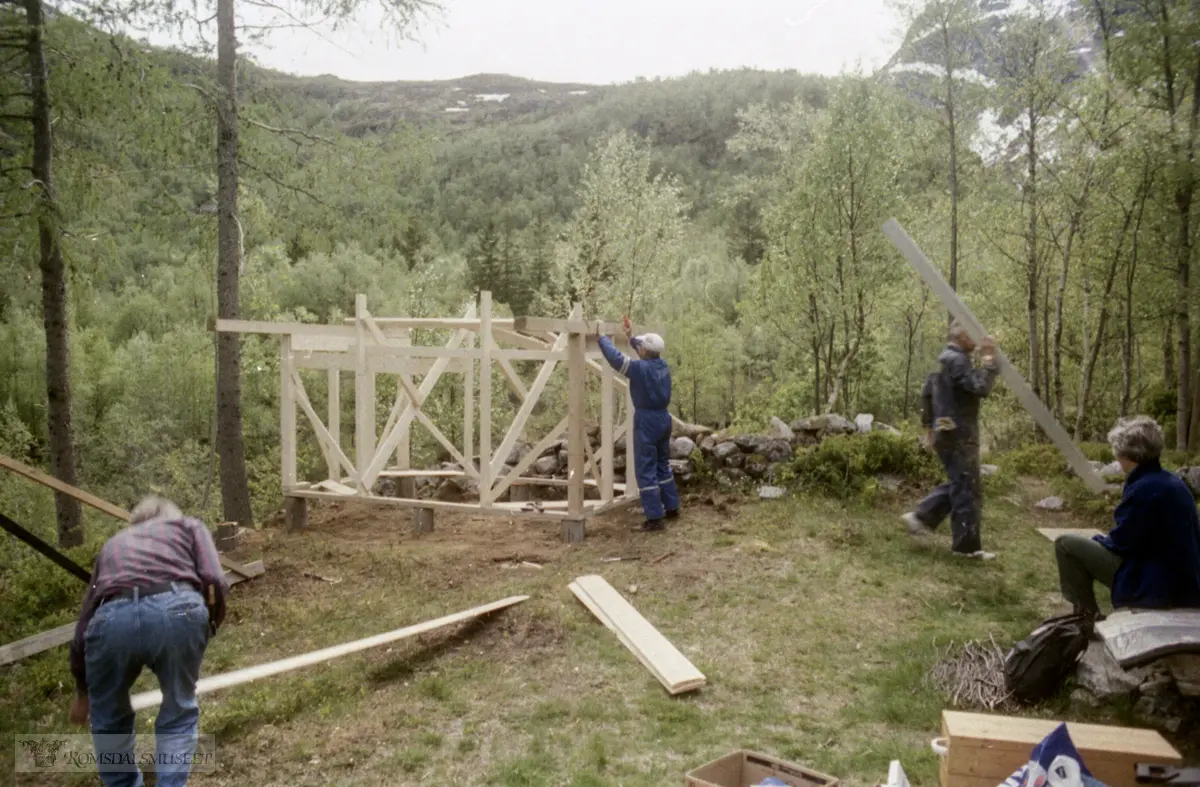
(23, 648)
(435, 323)
(212, 683)
(402, 421)
(440, 505)
(58, 558)
(532, 456)
(606, 433)
(364, 398)
(1012, 377)
(287, 414)
(1052, 533)
(535, 393)
(576, 434)
(329, 447)
(652, 649)
(283, 328)
(469, 450)
(404, 380)
(486, 473)
(333, 382)
(33, 474)
(30, 646)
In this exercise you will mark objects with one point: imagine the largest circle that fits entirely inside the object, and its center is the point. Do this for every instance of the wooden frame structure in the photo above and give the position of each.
(478, 345)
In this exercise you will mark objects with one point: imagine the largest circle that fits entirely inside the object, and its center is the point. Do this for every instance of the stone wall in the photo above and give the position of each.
(731, 457)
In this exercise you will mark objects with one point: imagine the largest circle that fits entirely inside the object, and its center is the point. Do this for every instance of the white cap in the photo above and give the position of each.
(652, 342)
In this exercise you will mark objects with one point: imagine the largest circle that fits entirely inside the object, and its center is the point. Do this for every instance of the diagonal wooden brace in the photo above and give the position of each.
(1015, 381)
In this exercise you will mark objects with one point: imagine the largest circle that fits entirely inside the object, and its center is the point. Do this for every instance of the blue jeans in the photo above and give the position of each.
(168, 633)
(652, 463)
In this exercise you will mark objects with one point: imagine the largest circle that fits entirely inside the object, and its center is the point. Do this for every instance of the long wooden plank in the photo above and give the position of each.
(577, 441)
(437, 505)
(117, 512)
(287, 414)
(33, 474)
(59, 559)
(655, 651)
(1053, 533)
(30, 646)
(329, 447)
(1008, 372)
(213, 683)
(486, 469)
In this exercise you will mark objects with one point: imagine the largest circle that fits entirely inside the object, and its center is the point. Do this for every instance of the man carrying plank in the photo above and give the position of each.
(952, 398)
(146, 608)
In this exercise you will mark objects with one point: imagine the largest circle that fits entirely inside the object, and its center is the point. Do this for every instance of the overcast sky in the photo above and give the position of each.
(597, 41)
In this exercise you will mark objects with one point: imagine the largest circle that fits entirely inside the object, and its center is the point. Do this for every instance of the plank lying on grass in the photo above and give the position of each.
(30, 646)
(1083, 468)
(1053, 533)
(205, 685)
(650, 647)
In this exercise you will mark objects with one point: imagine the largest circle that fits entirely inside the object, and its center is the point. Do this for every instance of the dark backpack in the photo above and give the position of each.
(1038, 666)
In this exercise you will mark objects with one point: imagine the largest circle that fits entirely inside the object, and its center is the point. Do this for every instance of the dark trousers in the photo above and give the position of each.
(1083, 562)
(960, 498)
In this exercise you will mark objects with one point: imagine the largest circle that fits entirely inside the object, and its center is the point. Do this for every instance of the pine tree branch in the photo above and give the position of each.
(289, 131)
(278, 182)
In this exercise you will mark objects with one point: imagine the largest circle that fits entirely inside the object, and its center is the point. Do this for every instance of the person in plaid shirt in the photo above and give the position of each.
(157, 595)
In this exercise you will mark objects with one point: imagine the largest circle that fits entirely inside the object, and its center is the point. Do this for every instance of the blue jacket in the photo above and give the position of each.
(1157, 536)
(649, 381)
(954, 392)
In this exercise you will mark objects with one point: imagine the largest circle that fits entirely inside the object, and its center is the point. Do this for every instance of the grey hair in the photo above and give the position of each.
(154, 507)
(957, 330)
(1138, 439)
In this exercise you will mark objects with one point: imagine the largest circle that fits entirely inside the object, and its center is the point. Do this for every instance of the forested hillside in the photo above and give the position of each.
(739, 210)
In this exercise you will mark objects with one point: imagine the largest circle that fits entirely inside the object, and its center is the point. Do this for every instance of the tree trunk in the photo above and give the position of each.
(1056, 352)
(1130, 274)
(1089, 367)
(1045, 343)
(1031, 263)
(54, 286)
(235, 494)
(1184, 193)
(952, 132)
(1169, 378)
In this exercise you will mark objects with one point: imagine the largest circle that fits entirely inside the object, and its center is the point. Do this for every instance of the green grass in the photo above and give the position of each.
(814, 621)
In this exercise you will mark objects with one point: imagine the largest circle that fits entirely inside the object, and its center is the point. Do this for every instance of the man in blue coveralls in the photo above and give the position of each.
(650, 388)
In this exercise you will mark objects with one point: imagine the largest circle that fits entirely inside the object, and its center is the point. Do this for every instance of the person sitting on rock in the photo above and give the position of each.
(650, 389)
(1151, 558)
(950, 405)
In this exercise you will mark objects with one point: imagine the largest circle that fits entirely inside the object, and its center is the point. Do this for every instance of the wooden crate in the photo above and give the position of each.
(985, 749)
(745, 768)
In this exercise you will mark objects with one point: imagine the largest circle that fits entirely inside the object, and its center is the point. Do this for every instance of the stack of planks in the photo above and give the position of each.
(984, 750)
(656, 653)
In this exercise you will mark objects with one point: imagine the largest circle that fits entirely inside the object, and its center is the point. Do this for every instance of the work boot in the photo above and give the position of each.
(916, 528)
(978, 554)
(673, 514)
(652, 526)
